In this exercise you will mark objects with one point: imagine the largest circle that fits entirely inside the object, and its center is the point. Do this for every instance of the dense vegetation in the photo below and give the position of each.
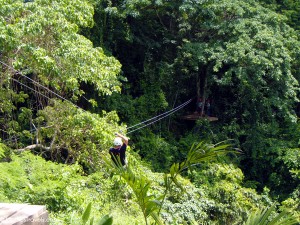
(75, 72)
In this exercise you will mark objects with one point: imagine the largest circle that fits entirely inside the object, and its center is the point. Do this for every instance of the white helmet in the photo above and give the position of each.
(118, 141)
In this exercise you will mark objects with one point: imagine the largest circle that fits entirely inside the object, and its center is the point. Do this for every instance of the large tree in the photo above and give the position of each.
(289, 8)
(244, 56)
(43, 56)
(247, 50)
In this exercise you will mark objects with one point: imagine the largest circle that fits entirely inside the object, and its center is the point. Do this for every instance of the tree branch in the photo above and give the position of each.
(30, 147)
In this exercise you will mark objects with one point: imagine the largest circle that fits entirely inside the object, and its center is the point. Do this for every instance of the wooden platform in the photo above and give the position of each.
(196, 116)
(17, 214)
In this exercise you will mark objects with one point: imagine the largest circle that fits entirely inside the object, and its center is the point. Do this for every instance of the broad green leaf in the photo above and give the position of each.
(86, 214)
(106, 220)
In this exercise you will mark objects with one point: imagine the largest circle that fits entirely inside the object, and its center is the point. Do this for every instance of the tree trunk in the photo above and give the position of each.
(201, 87)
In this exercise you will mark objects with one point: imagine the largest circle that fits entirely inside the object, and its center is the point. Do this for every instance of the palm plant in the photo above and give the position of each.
(199, 153)
(86, 217)
(140, 187)
(2, 150)
(263, 217)
(151, 206)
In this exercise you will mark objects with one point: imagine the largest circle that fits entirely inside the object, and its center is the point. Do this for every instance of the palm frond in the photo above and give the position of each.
(140, 187)
(156, 218)
(263, 217)
(199, 153)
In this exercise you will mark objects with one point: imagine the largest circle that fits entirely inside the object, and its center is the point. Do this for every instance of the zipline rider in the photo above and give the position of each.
(117, 153)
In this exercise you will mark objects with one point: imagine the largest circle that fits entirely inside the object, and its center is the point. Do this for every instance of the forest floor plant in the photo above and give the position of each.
(152, 205)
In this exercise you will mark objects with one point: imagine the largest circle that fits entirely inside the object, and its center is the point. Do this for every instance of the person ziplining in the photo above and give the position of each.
(120, 143)
(118, 151)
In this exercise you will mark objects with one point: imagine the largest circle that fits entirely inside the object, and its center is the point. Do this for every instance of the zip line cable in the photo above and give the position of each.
(168, 112)
(11, 139)
(159, 117)
(18, 72)
(30, 88)
(35, 82)
(146, 122)
(186, 103)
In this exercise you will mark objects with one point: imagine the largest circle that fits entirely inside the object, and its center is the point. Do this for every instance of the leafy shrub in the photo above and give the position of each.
(223, 184)
(3, 150)
(64, 189)
(157, 151)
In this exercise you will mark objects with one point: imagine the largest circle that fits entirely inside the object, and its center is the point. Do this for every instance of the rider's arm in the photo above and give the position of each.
(124, 138)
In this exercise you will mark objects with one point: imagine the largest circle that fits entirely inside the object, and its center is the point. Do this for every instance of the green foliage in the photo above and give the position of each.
(292, 161)
(293, 204)
(41, 40)
(157, 151)
(26, 181)
(3, 151)
(245, 56)
(106, 220)
(122, 31)
(140, 186)
(199, 153)
(270, 158)
(82, 134)
(223, 184)
(63, 189)
(242, 48)
(151, 205)
(290, 9)
(59, 56)
(262, 216)
(86, 214)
